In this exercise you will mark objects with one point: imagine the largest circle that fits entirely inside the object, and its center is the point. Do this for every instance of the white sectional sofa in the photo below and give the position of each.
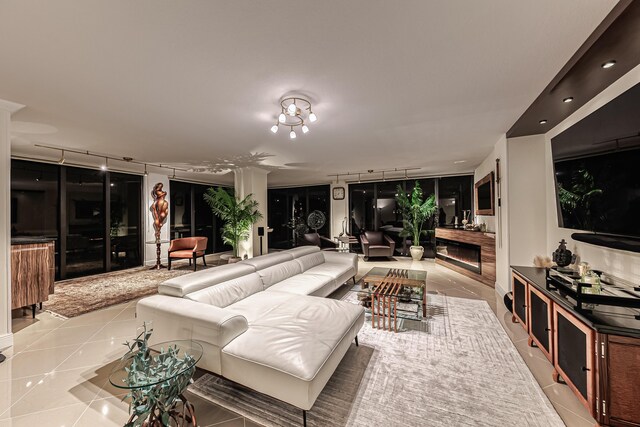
(263, 322)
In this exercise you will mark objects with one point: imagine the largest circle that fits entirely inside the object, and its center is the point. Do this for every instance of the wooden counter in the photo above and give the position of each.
(32, 272)
(486, 242)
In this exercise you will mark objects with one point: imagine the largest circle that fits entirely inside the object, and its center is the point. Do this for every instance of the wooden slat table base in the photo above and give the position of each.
(384, 305)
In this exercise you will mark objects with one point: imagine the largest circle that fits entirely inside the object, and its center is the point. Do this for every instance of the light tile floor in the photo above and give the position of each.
(56, 374)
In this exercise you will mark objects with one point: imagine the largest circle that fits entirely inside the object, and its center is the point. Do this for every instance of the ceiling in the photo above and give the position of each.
(197, 83)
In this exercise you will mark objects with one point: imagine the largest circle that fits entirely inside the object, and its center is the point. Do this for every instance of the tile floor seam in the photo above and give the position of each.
(569, 410)
(57, 366)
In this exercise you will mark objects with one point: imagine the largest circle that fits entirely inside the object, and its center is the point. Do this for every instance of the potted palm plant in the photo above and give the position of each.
(238, 216)
(415, 211)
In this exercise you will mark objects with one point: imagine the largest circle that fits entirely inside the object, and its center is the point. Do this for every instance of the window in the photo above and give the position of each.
(192, 216)
(373, 206)
(68, 204)
(289, 210)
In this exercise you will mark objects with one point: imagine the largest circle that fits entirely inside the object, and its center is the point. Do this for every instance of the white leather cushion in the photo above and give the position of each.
(264, 261)
(258, 305)
(277, 273)
(304, 284)
(330, 269)
(311, 260)
(297, 336)
(302, 251)
(188, 283)
(229, 292)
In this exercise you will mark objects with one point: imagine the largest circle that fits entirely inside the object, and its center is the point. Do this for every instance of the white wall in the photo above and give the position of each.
(619, 263)
(527, 199)
(498, 222)
(252, 180)
(339, 209)
(149, 232)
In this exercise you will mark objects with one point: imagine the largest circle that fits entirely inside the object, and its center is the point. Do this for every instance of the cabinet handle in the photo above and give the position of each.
(524, 306)
(547, 329)
(584, 369)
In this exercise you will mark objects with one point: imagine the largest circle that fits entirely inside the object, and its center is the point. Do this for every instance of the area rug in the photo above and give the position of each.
(74, 297)
(460, 370)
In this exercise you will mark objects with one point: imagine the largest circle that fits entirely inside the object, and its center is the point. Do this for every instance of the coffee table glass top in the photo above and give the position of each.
(411, 299)
(120, 377)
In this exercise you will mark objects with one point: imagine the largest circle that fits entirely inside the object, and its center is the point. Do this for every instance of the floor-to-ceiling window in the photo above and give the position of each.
(35, 202)
(192, 216)
(373, 206)
(126, 218)
(84, 220)
(295, 211)
(68, 204)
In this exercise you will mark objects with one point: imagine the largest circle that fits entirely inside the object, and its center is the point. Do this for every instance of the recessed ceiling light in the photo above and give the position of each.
(543, 121)
(568, 99)
(459, 161)
(609, 64)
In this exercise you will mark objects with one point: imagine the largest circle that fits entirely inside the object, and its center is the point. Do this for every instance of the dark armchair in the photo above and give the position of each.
(190, 248)
(314, 239)
(377, 244)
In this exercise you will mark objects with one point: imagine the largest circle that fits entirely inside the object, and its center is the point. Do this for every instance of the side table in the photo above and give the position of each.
(158, 244)
(156, 387)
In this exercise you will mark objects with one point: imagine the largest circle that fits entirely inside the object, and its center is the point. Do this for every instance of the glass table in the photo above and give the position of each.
(392, 293)
(157, 380)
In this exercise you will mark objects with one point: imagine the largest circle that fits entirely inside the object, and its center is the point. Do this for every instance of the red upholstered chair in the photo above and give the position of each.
(377, 244)
(190, 248)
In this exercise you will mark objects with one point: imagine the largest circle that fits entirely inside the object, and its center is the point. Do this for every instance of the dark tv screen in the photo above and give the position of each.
(484, 196)
(597, 169)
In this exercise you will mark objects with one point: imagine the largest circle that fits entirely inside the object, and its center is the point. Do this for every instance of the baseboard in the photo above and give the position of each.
(6, 341)
(500, 291)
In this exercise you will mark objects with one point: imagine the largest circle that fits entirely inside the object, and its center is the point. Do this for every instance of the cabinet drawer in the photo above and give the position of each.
(540, 312)
(520, 300)
(573, 343)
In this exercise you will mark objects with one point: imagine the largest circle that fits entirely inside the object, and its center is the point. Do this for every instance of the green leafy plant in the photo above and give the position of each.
(578, 198)
(238, 215)
(415, 211)
(162, 379)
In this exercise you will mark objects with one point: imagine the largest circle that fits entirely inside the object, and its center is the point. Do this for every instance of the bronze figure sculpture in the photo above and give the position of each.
(159, 208)
(160, 211)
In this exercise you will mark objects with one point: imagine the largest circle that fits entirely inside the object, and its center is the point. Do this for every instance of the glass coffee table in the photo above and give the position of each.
(390, 294)
(157, 383)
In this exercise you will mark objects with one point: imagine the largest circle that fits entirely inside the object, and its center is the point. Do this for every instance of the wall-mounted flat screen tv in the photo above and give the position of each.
(597, 169)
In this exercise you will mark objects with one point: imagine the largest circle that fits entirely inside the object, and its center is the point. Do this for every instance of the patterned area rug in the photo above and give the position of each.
(74, 297)
(459, 368)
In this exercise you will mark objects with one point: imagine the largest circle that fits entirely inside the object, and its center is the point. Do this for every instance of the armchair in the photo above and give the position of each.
(190, 248)
(377, 244)
(314, 239)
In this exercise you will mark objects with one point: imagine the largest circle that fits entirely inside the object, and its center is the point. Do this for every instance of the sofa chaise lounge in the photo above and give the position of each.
(263, 322)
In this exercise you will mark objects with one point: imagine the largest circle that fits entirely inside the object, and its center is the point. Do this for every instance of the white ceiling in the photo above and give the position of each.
(395, 84)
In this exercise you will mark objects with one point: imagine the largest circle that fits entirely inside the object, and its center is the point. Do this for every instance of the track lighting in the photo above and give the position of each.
(105, 167)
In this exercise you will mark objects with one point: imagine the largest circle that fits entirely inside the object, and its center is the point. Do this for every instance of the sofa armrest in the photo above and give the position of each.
(342, 258)
(178, 318)
(391, 242)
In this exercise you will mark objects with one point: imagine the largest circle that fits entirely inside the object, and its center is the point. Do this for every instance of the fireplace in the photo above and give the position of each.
(462, 254)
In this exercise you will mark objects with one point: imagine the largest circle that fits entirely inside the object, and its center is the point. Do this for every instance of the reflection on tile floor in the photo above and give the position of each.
(58, 369)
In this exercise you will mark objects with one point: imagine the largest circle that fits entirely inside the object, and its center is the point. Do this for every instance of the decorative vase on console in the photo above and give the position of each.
(563, 256)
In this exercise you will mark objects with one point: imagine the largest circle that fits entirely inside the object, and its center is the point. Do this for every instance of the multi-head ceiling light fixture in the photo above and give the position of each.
(294, 111)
